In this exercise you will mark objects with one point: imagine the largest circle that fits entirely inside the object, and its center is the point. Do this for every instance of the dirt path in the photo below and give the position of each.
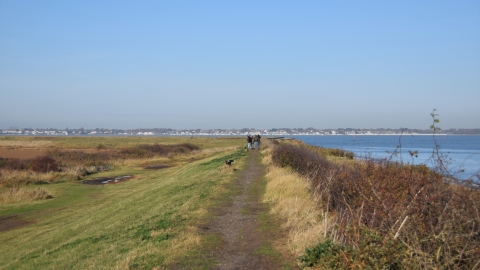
(238, 225)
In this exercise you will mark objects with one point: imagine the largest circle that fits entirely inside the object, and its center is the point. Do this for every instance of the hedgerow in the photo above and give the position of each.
(429, 221)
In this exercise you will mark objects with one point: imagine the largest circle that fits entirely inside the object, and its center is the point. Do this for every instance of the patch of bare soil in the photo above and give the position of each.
(238, 225)
(107, 180)
(21, 153)
(13, 222)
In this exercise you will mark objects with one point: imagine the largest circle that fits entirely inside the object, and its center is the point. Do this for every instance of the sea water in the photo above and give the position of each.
(460, 152)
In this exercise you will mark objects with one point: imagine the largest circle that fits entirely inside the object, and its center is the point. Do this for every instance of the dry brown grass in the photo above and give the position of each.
(186, 240)
(292, 201)
(14, 178)
(15, 195)
(25, 144)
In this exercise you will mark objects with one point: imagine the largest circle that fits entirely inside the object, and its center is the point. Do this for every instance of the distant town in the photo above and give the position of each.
(227, 132)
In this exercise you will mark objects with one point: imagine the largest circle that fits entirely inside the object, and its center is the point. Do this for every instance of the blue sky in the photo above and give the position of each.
(236, 64)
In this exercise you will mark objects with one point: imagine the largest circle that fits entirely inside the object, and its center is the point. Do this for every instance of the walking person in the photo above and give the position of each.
(249, 142)
(257, 140)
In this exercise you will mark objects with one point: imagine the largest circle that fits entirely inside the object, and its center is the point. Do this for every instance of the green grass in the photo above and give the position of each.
(200, 257)
(146, 222)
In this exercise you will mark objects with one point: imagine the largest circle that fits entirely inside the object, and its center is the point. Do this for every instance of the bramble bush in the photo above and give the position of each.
(434, 223)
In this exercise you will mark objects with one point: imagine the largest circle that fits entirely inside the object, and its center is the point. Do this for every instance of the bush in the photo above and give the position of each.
(40, 164)
(299, 158)
(334, 152)
(189, 146)
(137, 152)
(15, 164)
(373, 252)
(437, 223)
(44, 164)
(340, 153)
(3, 162)
(68, 158)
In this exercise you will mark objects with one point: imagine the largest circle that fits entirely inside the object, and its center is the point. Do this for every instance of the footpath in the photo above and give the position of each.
(246, 238)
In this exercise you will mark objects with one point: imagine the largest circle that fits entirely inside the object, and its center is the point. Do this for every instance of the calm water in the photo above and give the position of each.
(462, 151)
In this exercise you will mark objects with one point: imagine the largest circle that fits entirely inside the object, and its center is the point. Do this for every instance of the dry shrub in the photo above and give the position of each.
(300, 159)
(39, 164)
(82, 158)
(14, 195)
(334, 152)
(44, 164)
(436, 223)
(15, 164)
(134, 153)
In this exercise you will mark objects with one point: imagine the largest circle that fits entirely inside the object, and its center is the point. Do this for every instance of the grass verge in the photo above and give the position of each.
(292, 202)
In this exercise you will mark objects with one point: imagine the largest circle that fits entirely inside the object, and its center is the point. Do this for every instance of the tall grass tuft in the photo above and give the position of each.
(14, 195)
(12, 178)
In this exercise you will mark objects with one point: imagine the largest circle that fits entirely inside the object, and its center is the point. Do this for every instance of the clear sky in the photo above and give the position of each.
(237, 64)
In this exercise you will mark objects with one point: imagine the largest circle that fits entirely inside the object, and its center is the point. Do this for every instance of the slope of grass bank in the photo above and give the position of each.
(143, 223)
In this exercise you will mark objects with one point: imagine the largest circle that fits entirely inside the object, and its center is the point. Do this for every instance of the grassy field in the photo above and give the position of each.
(147, 222)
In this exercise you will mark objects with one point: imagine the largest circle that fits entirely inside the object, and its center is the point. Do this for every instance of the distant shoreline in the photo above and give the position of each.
(217, 135)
